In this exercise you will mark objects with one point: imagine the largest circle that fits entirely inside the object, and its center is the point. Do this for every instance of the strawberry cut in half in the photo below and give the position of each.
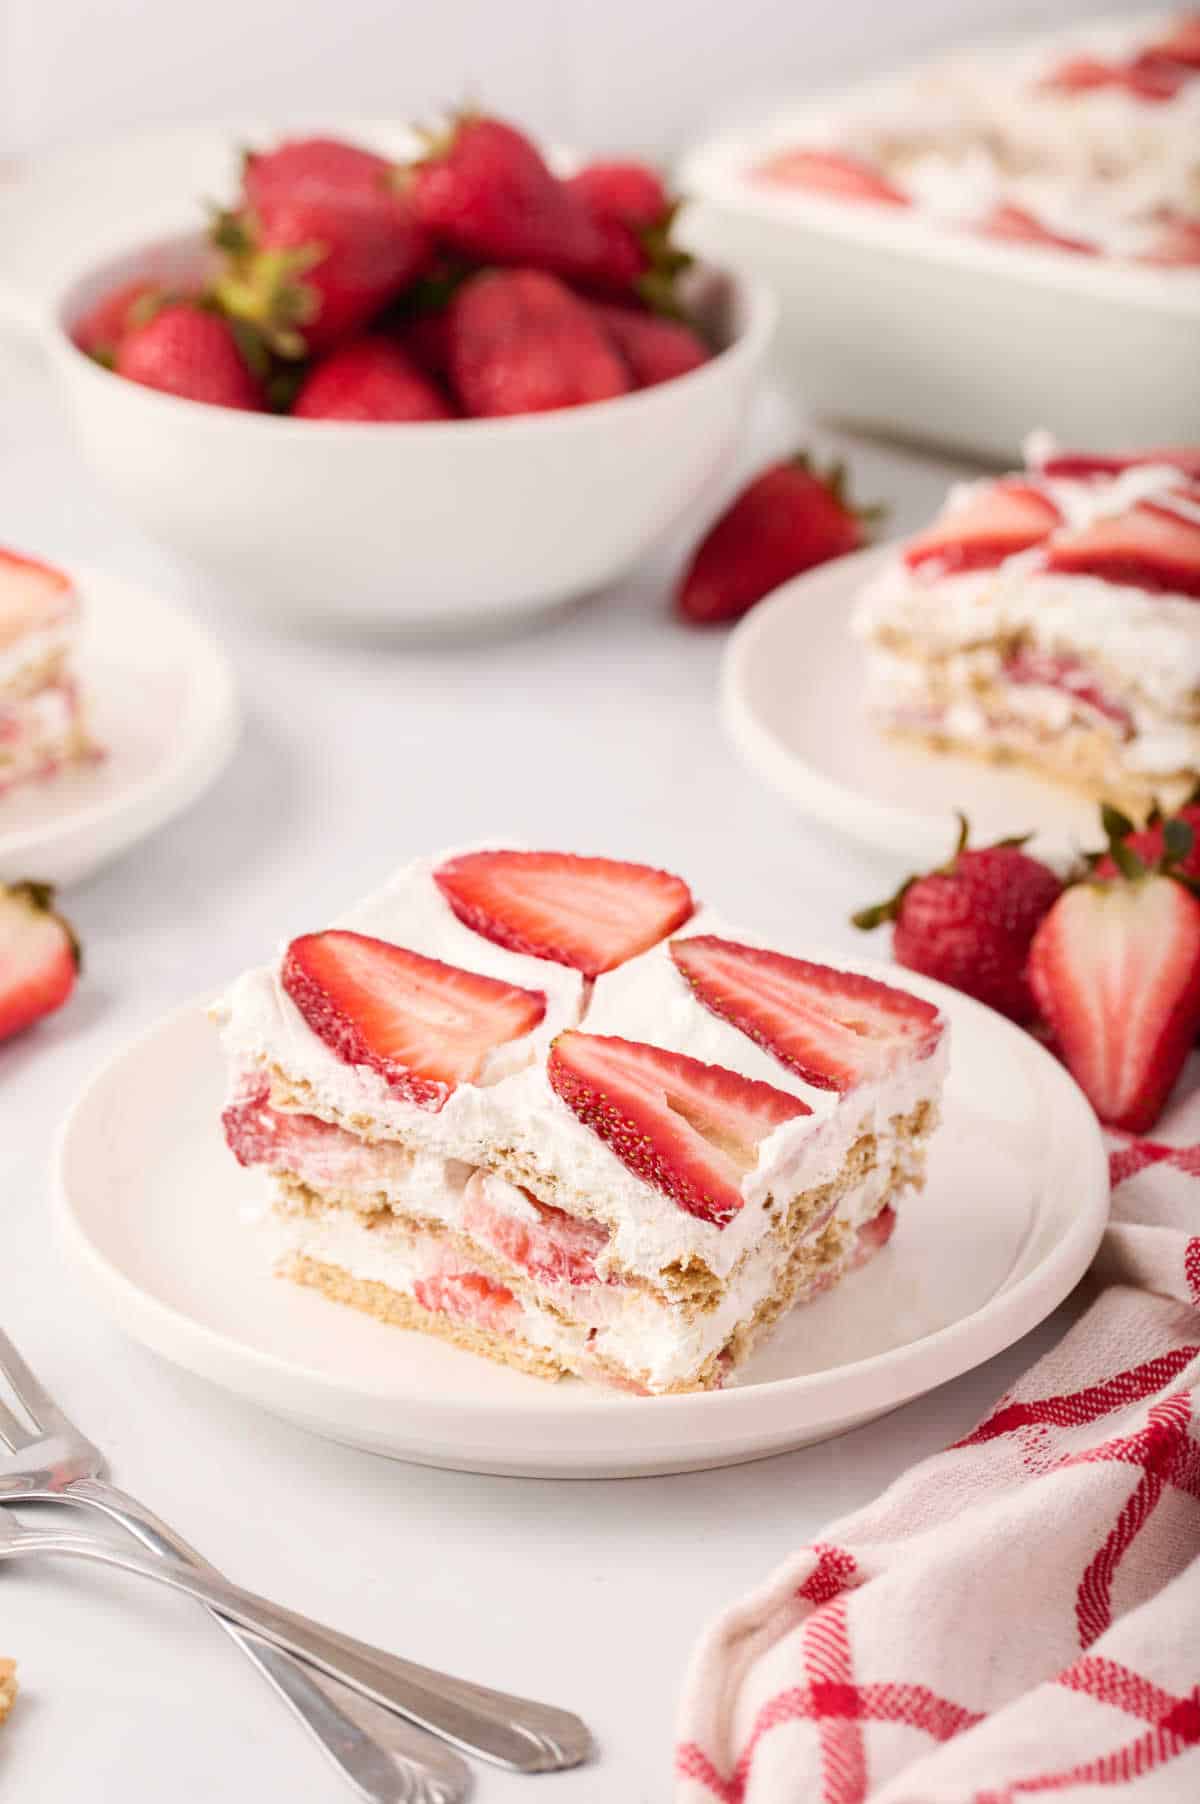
(1150, 546)
(1019, 226)
(1115, 968)
(590, 913)
(424, 1026)
(994, 524)
(834, 1029)
(688, 1129)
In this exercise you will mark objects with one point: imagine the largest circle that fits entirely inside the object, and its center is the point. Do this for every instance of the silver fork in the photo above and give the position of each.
(57, 1464)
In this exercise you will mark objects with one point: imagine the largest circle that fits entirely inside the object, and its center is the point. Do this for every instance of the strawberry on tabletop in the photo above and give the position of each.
(1115, 968)
(971, 922)
(39, 956)
(791, 517)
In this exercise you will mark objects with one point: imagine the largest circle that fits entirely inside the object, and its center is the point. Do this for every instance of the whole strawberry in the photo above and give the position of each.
(789, 518)
(484, 191)
(521, 342)
(369, 379)
(655, 349)
(1115, 968)
(309, 267)
(102, 330)
(631, 192)
(971, 923)
(39, 956)
(187, 350)
(316, 165)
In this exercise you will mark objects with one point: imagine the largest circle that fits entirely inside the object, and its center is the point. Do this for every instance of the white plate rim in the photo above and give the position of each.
(894, 1376)
(156, 797)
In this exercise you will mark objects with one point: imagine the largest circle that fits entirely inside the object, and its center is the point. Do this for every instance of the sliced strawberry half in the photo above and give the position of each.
(552, 1246)
(39, 956)
(689, 1129)
(994, 524)
(1150, 546)
(469, 1297)
(1115, 967)
(33, 596)
(1019, 226)
(424, 1026)
(589, 913)
(833, 1028)
(1081, 466)
(830, 172)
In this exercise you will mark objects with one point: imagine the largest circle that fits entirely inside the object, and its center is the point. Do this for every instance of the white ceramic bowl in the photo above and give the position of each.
(894, 323)
(430, 524)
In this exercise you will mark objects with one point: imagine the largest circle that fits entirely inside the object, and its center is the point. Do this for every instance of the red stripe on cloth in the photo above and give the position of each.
(826, 1650)
(1137, 1155)
(1173, 1736)
(1110, 1682)
(1073, 1409)
(834, 1572)
(691, 1762)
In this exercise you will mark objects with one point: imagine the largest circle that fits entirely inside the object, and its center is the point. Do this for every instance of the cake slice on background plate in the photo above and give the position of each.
(42, 726)
(1052, 617)
(541, 1106)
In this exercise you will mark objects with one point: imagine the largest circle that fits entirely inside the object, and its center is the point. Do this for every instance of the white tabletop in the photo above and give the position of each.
(596, 730)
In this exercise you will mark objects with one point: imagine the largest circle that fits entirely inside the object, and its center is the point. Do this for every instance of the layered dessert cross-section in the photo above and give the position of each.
(42, 726)
(1052, 617)
(545, 1107)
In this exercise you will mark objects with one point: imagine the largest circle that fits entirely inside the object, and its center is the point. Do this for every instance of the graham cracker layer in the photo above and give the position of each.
(403, 1311)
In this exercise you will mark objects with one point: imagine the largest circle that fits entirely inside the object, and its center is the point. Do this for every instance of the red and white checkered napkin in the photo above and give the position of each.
(1017, 1615)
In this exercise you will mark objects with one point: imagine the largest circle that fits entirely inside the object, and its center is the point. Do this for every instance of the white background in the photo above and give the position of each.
(636, 73)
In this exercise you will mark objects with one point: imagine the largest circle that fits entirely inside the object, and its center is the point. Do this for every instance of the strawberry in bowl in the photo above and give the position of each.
(338, 401)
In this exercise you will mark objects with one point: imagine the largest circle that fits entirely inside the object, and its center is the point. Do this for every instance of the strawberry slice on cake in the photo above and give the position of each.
(499, 1103)
(591, 913)
(1050, 618)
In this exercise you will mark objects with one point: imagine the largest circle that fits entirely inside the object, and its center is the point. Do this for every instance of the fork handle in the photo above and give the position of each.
(410, 1767)
(513, 1732)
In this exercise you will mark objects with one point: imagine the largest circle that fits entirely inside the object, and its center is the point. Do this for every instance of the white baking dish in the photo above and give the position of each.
(896, 323)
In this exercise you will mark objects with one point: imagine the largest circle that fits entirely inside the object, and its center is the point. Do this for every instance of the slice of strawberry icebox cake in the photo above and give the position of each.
(1052, 617)
(41, 716)
(546, 1107)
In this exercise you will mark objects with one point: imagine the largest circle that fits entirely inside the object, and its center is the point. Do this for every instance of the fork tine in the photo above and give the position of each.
(33, 1397)
(13, 1434)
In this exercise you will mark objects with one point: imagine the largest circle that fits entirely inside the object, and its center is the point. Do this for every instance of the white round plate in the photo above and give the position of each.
(152, 1207)
(161, 702)
(792, 700)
